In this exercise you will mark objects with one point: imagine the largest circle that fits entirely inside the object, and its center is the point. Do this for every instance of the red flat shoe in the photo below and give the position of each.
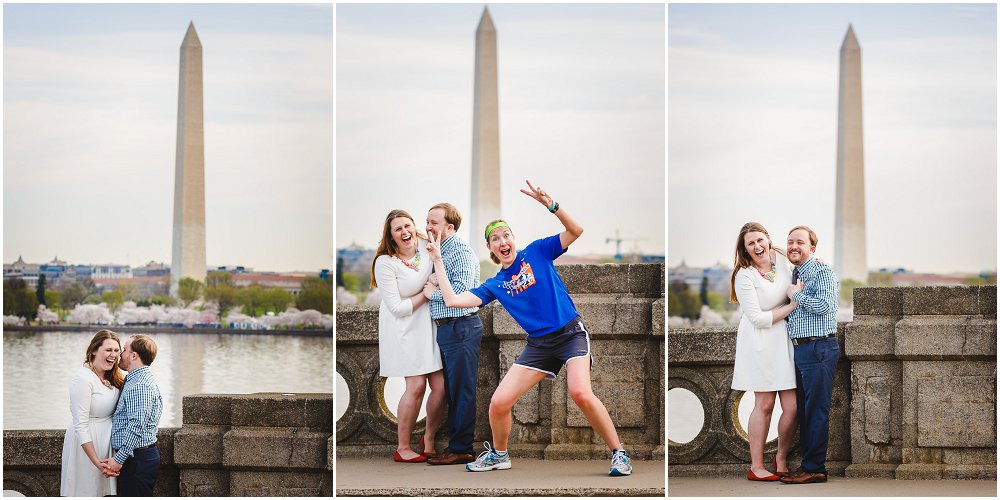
(423, 448)
(753, 477)
(774, 462)
(417, 459)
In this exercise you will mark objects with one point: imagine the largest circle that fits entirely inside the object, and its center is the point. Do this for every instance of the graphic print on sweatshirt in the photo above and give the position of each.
(521, 281)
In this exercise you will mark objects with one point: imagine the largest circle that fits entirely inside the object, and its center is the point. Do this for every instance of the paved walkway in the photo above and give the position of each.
(835, 487)
(527, 477)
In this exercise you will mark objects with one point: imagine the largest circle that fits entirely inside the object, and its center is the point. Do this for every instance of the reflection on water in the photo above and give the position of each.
(37, 368)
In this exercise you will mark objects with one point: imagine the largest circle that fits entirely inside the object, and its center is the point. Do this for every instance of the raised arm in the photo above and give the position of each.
(819, 298)
(573, 229)
(399, 306)
(451, 299)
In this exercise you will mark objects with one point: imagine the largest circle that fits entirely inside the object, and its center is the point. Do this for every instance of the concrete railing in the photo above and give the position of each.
(914, 393)
(623, 308)
(229, 445)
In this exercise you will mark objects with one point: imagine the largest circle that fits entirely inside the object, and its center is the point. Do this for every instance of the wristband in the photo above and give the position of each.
(555, 207)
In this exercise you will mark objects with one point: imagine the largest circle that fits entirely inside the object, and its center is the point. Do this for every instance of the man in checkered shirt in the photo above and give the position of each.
(459, 335)
(812, 327)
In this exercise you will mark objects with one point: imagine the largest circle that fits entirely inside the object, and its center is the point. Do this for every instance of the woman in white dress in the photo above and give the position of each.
(93, 394)
(406, 334)
(765, 361)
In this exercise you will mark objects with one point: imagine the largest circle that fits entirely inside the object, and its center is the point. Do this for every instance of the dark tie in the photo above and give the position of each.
(795, 275)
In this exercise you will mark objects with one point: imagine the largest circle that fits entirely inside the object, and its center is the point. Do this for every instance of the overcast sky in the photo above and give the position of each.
(90, 110)
(753, 129)
(581, 96)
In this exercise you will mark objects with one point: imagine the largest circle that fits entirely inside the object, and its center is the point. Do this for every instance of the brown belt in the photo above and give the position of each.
(803, 340)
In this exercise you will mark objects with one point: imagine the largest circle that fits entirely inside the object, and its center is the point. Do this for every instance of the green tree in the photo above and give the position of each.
(703, 292)
(114, 300)
(251, 298)
(350, 281)
(40, 289)
(316, 294)
(77, 293)
(276, 300)
(716, 302)
(687, 304)
(129, 290)
(189, 290)
(219, 289)
(52, 299)
(163, 300)
(847, 287)
(19, 300)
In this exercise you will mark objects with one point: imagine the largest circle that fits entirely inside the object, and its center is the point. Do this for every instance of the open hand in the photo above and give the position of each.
(538, 193)
(795, 288)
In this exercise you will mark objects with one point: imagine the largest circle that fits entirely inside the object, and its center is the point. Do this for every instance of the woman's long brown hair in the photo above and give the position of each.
(387, 246)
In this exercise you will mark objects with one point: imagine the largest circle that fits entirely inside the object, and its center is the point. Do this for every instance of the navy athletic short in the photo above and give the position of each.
(550, 351)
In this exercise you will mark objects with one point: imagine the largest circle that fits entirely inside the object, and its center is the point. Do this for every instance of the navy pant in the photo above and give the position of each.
(459, 341)
(815, 365)
(138, 474)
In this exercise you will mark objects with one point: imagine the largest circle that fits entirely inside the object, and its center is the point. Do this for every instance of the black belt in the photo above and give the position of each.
(148, 446)
(803, 340)
(445, 321)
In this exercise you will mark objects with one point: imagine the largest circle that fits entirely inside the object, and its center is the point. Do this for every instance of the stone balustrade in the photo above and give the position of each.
(623, 308)
(260, 444)
(914, 394)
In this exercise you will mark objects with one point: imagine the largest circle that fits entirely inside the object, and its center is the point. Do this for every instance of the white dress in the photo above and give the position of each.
(765, 359)
(92, 404)
(407, 338)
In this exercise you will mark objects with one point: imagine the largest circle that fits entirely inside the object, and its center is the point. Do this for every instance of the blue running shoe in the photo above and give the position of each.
(489, 460)
(621, 464)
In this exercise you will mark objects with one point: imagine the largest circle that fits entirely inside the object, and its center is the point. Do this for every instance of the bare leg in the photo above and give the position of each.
(406, 413)
(435, 409)
(578, 385)
(515, 383)
(760, 421)
(786, 427)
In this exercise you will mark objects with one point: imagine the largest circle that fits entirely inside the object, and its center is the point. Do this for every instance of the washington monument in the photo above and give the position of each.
(849, 257)
(485, 205)
(189, 178)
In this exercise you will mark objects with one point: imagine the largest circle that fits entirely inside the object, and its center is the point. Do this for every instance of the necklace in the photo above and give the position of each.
(769, 276)
(416, 262)
(100, 376)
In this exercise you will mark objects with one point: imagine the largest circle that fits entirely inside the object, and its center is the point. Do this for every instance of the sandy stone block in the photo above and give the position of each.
(599, 314)
(357, 323)
(277, 484)
(590, 278)
(207, 409)
(878, 301)
(981, 339)
(33, 448)
(940, 300)
(701, 346)
(988, 301)
(957, 412)
(870, 337)
(931, 336)
(274, 447)
(633, 316)
(199, 445)
(204, 483)
(618, 381)
(645, 278)
(312, 410)
(659, 317)
(878, 403)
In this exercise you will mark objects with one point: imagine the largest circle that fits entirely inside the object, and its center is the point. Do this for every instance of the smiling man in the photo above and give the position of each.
(812, 327)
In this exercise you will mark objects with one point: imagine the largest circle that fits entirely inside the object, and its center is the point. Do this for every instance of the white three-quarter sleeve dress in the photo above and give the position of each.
(91, 404)
(765, 359)
(407, 338)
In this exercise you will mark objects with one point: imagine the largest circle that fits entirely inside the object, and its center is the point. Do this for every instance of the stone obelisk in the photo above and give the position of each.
(485, 205)
(850, 254)
(189, 178)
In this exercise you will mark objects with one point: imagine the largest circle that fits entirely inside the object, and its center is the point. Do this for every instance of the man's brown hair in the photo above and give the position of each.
(144, 346)
(813, 239)
(451, 214)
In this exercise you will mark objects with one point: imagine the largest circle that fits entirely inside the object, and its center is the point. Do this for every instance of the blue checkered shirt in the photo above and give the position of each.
(138, 414)
(463, 274)
(816, 314)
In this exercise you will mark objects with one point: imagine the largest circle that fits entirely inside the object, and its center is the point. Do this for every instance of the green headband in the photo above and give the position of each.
(491, 227)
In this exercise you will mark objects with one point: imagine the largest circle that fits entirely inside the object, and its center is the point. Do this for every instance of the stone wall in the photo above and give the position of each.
(923, 382)
(229, 445)
(623, 308)
(914, 394)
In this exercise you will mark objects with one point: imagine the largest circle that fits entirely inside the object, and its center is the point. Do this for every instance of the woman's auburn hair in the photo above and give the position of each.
(387, 246)
(743, 259)
(114, 376)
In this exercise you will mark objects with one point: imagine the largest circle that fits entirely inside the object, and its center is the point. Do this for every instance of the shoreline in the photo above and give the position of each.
(163, 329)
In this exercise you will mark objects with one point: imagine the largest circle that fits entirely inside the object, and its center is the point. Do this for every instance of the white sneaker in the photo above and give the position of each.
(621, 464)
(489, 460)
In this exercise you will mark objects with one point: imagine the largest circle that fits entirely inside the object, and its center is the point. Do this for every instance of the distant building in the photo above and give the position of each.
(151, 270)
(111, 271)
(718, 276)
(291, 283)
(356, 259)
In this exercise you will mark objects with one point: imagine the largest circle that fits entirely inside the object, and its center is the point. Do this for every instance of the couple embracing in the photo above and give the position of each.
(110, 445)
(793, 360)
(430, 334)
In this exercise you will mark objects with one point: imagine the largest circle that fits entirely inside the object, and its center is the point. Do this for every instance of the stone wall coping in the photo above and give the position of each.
(926, 300)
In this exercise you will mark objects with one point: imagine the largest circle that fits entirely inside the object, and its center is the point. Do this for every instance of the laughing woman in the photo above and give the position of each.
(764, 360)
(406, 335)
(531, 291)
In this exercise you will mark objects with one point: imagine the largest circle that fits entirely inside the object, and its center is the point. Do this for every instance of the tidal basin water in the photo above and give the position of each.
(38, 366)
